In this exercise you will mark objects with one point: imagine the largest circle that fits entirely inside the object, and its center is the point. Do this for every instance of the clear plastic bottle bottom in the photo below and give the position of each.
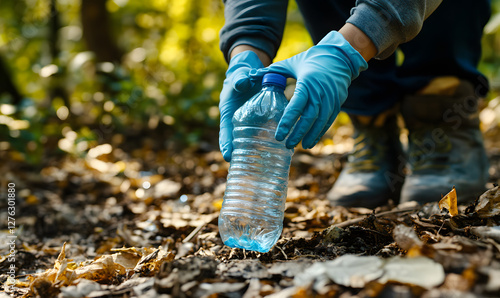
(253, 208)
(249, 233)
(246, 243)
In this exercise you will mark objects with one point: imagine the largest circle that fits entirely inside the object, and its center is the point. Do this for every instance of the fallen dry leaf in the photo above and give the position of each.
(406, 237)
(449, 201)
(487, 232)
(104, 269)
(489, 203)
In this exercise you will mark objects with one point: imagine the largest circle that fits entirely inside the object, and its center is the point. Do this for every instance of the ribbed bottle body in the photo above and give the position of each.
(253, 208)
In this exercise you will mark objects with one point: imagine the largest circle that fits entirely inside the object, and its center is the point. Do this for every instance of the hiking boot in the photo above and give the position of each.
(372, 174)
(445, 145)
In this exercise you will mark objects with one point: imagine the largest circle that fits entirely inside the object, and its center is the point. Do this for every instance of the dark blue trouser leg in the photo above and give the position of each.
(375, 90)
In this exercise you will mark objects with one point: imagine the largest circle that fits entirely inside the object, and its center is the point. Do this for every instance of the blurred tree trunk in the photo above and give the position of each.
(7, 85)
(96, 31)
(54, 25)
(57, 81)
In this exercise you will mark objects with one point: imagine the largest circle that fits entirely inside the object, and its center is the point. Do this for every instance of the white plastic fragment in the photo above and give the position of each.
(420, 271)
(356, 271)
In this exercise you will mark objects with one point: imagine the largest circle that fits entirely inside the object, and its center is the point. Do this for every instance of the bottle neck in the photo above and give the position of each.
(272, 87)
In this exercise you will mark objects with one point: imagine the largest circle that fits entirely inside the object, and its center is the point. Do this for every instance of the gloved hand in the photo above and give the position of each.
(323, 73)
(238, 87)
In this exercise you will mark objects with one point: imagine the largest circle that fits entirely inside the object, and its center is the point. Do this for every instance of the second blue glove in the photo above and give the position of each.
(323, 73)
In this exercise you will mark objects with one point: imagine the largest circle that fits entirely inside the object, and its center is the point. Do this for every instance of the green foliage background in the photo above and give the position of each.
(168, 80)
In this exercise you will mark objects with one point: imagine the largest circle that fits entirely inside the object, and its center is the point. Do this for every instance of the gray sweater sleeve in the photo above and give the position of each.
(256, 23)
(260, 23)
(389, 23)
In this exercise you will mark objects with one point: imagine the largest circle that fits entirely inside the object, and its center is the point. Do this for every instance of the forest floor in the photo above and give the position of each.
(133, 220)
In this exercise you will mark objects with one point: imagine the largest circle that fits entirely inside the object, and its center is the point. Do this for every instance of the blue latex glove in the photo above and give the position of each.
(323, 73)
(238, 87)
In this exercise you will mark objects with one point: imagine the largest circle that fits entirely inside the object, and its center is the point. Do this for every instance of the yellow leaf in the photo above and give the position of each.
(32, 200)
(61, 257)
(449, 202)
(104, 269)
(217, 204)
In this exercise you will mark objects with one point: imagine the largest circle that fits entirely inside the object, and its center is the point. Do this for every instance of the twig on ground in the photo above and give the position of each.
(437, 233)
(284, 254)
(359, 219)
(198, 229)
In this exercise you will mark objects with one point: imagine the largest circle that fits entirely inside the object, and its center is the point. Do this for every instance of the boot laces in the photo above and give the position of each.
(426, 152)
(367, 153)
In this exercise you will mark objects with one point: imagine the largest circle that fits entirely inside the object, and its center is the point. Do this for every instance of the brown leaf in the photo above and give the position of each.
(487, 232)
(489, 203)
(406, 238)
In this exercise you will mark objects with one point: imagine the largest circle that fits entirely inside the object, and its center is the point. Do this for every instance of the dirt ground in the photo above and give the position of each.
(134, 220)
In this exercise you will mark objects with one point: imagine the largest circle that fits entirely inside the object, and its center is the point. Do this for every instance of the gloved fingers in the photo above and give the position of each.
(240, 80)
(244, 79)
(305, 123)
(282, 67)
(227, 107)
(327, 126)
(226, 140)
(317, 128)
(229, 102)
(231, 99)
(292, 112)
(303, 126)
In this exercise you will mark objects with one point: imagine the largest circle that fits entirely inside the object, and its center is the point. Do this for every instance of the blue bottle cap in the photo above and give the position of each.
(274, 79)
